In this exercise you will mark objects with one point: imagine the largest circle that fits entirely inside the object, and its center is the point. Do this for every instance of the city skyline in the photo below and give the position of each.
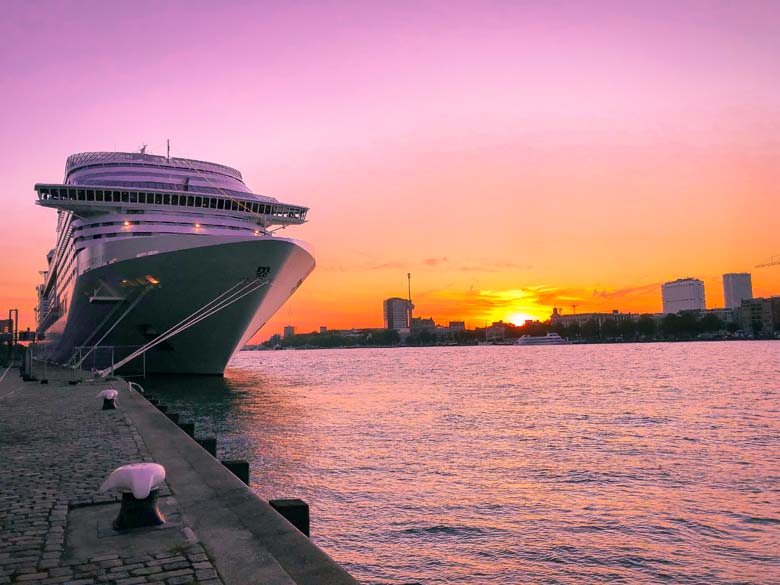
(395, 309)
(514, 158)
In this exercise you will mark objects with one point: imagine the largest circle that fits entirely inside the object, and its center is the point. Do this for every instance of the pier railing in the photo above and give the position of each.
(102, 357)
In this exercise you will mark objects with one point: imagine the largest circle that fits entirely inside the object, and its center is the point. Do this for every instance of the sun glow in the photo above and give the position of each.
(520, 318)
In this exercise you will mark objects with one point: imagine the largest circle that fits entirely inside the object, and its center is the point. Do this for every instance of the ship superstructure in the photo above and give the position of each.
(170, 257)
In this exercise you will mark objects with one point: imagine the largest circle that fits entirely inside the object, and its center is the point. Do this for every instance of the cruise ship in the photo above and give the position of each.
(549, 339)
(162, 265)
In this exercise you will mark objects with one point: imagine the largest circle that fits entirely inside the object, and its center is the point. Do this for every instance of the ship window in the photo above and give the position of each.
(82, 196)
(133, 197)
(190, 201)
(220, 204)
(167, 199)
(100, 196)
(198, 201)
(125, 196)
(174, 199)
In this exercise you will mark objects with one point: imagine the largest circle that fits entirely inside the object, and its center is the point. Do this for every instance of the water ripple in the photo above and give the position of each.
(636, 464)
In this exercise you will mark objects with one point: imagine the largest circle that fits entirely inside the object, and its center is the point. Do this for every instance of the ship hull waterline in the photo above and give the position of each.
(179, 282)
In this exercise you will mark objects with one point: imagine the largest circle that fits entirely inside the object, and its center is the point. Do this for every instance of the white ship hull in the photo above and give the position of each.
(188, 272)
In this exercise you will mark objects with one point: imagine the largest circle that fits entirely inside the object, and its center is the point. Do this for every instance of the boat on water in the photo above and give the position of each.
(549, 339)
(164, 264)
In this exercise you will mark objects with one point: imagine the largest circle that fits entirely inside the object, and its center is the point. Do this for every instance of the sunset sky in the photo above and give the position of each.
(513, 156)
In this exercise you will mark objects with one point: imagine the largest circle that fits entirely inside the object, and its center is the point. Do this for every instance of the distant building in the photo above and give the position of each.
(684, 294)
(496, 332)
(582, 318)
(289, 331)
(418, 325)
(725, 315)
(456, 326)
(760, 316)
(6, 329)
(397, 313)
(323, 329)
(737, 287)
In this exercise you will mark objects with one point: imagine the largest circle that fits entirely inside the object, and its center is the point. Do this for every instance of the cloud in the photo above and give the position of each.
(627, 292)
(392, 265)
(433, 262)
(535, 301)
(490, 266)
(443, 263)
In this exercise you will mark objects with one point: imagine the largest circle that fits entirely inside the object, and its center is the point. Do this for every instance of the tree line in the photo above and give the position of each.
(672, 327)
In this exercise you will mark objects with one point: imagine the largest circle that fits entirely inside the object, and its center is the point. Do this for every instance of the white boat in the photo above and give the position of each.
(168, 258)
(549, 339)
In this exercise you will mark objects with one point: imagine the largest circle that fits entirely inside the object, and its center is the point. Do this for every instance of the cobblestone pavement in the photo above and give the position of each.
(56, 448)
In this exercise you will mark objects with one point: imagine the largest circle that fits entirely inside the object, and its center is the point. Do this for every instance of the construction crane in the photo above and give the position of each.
(773, 261)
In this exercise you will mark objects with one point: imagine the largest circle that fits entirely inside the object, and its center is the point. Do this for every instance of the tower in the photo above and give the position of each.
(737, 286)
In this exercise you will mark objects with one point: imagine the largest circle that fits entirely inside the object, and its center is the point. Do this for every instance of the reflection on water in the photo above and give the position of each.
(568, 464)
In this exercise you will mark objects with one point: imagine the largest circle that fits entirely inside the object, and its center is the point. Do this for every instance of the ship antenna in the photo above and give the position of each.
(168, 144)
(142, 150)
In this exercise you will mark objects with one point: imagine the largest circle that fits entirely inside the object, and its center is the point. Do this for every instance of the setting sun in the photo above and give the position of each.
(520, 318)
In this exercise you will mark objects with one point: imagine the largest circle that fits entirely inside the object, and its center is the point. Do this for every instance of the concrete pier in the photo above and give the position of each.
(56, 447)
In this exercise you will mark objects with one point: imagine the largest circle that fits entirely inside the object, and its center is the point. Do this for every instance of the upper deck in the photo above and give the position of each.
(97, 200)
(83, 160)
(97, 183)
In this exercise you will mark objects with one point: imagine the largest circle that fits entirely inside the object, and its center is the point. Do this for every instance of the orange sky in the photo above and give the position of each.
(511, 158)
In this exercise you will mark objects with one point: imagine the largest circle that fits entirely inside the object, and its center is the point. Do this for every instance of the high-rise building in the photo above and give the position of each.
(397, 313)
(683, 294)
(289, 331)
(737, 287)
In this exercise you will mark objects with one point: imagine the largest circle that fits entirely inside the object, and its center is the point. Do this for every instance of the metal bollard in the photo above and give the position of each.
(139, 483)
(135, 513)
(239, 468)
(209, 444)
(109, 397)
(295, 511)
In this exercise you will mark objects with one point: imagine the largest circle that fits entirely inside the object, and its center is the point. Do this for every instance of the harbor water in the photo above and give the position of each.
(634, 463)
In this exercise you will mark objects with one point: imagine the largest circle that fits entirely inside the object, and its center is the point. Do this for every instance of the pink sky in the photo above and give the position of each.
(512, 156)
